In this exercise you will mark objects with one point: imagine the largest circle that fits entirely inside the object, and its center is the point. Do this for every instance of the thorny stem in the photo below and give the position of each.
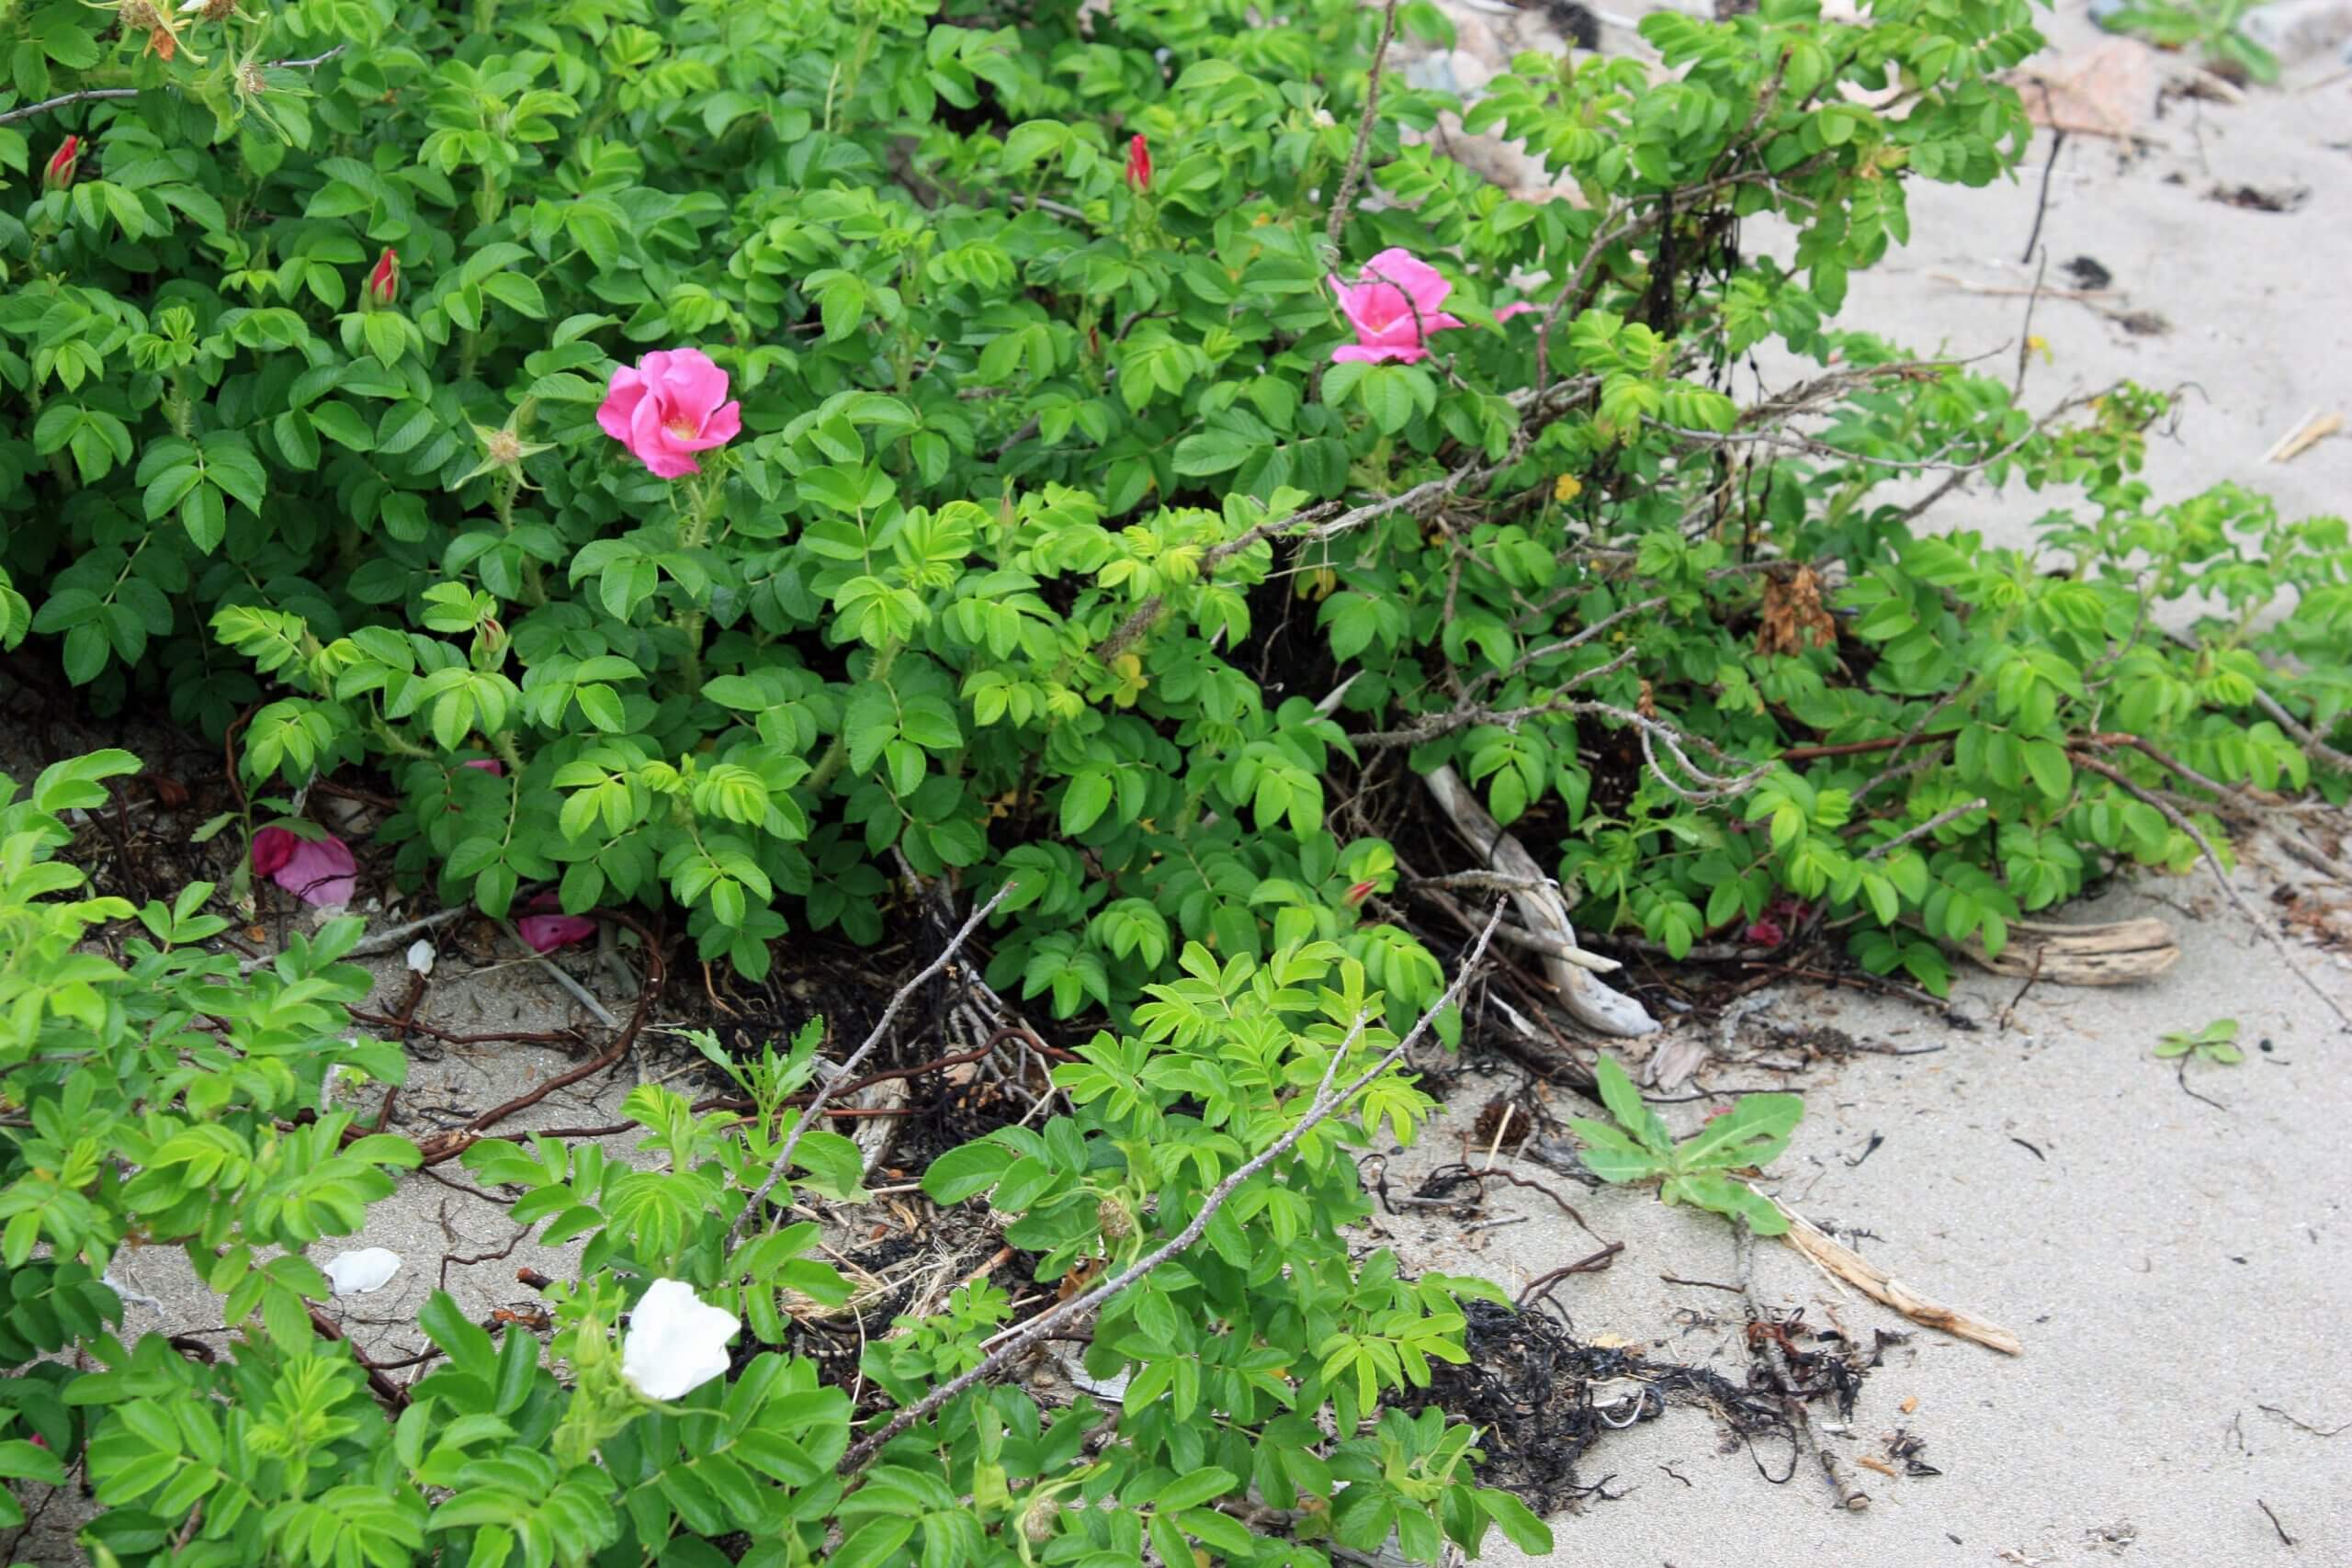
(702, 507)
(837, 754)
(1353, 177)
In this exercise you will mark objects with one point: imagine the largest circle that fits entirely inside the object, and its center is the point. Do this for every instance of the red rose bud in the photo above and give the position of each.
(60, 172)
(384, 282)
(1139, 163)
(1359, 892)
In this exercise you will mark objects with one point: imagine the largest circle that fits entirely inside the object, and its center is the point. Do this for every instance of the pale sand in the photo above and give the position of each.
(2171, 1268)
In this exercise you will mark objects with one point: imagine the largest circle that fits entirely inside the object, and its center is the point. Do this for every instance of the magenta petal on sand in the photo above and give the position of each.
(272, 847)
(319, 872)
(547, 932)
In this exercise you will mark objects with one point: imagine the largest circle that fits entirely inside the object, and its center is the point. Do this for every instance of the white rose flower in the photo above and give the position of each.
(675, 1343)
(420, 957)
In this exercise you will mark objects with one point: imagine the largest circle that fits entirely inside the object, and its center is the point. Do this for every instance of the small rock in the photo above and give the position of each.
(2297, 31)
(2087, 272)
(1450, 70)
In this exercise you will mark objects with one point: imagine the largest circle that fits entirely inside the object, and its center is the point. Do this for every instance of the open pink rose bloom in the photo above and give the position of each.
(1393, 306)
(317, 871)
(673, 405)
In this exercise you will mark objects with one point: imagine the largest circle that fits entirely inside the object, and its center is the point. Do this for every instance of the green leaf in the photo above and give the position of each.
(965, 1172)
(1752, 1132)
(1526, 1532)
(1625, 1103)
(1609, 1155)
(518, 291)
(1194, 1488)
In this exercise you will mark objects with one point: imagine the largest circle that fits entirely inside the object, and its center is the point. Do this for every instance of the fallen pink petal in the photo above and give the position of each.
(319, 872)
(272, 847)
(546, 932)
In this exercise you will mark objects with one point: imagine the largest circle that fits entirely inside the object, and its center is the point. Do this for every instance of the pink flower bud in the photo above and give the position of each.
(58, 173)
(384, 281)
(1140, 164)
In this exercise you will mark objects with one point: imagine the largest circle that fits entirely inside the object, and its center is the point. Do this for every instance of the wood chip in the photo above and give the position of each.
(2314, 428)
(1847, 1264)
(2123, 953)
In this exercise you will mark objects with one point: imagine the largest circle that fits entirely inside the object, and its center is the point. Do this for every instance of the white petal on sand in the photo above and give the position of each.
(357, 1273)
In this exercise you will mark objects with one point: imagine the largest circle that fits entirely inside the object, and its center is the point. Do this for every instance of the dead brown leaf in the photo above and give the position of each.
(1793, 616)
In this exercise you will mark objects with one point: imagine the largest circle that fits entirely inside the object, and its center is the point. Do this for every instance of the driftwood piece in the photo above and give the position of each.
(2121, 953)
(1847, 1264)
(1542, 911)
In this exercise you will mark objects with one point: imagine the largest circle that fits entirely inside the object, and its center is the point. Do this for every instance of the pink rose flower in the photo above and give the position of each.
(546, 932)
(1393, 305)
(317, 871)
(669, 408)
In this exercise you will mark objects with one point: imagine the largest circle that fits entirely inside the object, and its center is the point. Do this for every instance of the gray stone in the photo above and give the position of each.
(2297, 31)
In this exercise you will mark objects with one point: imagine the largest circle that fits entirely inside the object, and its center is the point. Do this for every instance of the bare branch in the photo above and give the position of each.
(1940, 819)
(881, 1027)
(94, 94)
(1319, 1109)
(1349, 182)
(2174, 815)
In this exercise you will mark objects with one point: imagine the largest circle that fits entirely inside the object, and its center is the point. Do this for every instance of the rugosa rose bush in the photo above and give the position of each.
(668, 1417)
(799, 440)
(1132, 531)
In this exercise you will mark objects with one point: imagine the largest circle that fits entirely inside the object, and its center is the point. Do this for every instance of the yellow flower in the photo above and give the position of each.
(1566, 488)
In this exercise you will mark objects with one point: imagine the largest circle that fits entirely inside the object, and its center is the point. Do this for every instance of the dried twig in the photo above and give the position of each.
(1874, 1283)
(578, 991)
(2174, 815)
(1941, 819)
(392, 941)
(1326, 1102)
(96, 94)
(881, 1027)
(1543, 909)
(1350, 180)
